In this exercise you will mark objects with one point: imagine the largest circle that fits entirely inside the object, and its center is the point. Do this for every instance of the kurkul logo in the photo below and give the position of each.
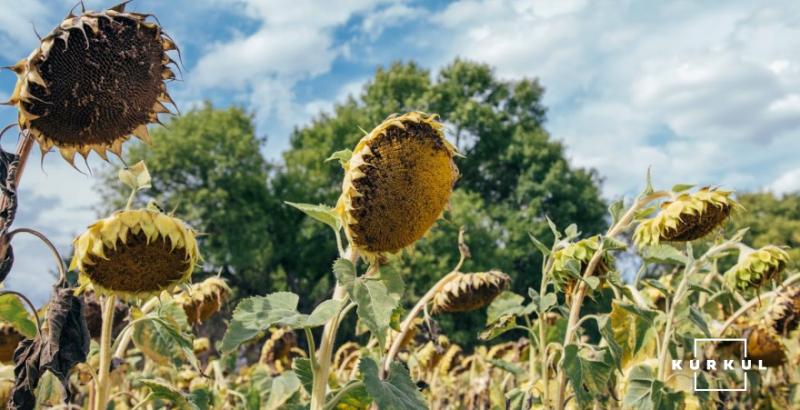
(698, 365)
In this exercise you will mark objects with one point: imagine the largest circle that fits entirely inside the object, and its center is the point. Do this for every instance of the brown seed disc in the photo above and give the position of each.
(696, 226)
(408, 180)
(101, 85)
(763, 345)
(137, 266)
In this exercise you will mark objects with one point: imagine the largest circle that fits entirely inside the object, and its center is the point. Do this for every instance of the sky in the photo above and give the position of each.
(702, 92)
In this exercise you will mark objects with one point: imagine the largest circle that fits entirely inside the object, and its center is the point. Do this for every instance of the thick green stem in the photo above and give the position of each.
(103, 381)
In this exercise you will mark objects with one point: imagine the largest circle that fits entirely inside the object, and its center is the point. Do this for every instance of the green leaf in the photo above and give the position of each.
(507, 303)
(13, 312)
(324, 312)
(355, 398)
(632, 327)
(258, 313)
(613, 244)
(509, 367)
(682, 187)
(539, 245)
(615, 210)
(48, 392)
(343, 156)
(302, 368)
(375, 306)
(699, 320)
(553, 228)
(664, 254)
(658, 286)
(345, 272)
(648, 188)
(645, 392)
(163, 335)
(161, 390)
(322, 213)
(588, 376)
(545, 303)
(592, 281)
(397, 392)
(572, 231)
(607, 331)
(283, 387)
(498, 328)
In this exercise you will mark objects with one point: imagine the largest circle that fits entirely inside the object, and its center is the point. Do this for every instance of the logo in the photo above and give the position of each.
(699, 365)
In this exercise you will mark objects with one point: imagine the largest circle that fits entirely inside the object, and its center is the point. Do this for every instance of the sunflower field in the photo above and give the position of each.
(131, 324)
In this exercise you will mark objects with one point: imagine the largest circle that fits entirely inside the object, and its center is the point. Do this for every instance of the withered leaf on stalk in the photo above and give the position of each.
(65, 344)
(9, 166)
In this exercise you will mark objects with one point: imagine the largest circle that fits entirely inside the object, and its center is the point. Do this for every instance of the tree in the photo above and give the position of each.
(772, 220)
(207, 166)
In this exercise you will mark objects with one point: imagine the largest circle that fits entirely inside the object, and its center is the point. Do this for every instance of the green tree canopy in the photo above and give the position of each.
(772, 220)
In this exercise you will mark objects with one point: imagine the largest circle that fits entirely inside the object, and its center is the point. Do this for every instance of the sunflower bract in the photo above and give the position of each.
(69, 90)
(570, 262)
(687, 217)
(757, 268)
(397, 183)
(135, 253)
(204, 299)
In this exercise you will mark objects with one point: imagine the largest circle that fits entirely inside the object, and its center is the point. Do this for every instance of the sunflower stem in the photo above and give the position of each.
(325, 351)
(103, 382)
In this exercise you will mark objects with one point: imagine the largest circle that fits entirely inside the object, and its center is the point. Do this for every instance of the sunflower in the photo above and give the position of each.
(783, 314)
(763, 344)
(135, 253)
(94, 81)
(9, 339)
(397, 184)
(688, 216)
(470, 291)
(280, 350)
(571, 260)
(204, 299)
(756, 268)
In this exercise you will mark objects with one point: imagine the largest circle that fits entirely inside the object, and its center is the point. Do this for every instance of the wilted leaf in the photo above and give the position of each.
(632, 328)
(397, 392)
(136, 176)
(322, 213)
(162, 390)
(163, 335)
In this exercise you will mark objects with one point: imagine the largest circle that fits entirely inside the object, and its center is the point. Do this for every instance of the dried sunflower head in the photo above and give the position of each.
(204, 299)
(135, 253)
(9, 339)
(688, 216)
(783, 314)
(765, 345)
(93, 81)
(570, 262)
(279, 351)
(469, 291)
(756, 268)
(201, 345)
(396, 184)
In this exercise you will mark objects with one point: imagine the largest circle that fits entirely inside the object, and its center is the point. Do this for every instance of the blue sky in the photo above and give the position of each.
(704, 92)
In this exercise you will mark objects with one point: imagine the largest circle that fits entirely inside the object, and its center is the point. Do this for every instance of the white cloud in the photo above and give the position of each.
(786, 183)
(705, 94)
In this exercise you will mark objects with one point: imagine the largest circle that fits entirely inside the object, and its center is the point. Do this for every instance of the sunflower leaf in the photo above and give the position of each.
(397, 392)
(322, 213)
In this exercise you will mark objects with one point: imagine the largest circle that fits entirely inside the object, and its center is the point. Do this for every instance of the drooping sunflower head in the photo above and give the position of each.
(764, 344)
(469, 291)
(757, 267)
(204, 299)
(783, 313)
(9, 339)
(135, 253)
(688, 216)
(96, 79)
(571, 260)
(280, 350)
(397, 183)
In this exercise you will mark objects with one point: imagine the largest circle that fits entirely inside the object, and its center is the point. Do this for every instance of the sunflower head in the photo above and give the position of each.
(688, 216)
(764, 344)
(135, 253)
(783, 313)
(570, 262)
(204, 299)
(9, 339)
(758, 267)
(94, 81)
(397, 184)
(469, 291)
(279, 351)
